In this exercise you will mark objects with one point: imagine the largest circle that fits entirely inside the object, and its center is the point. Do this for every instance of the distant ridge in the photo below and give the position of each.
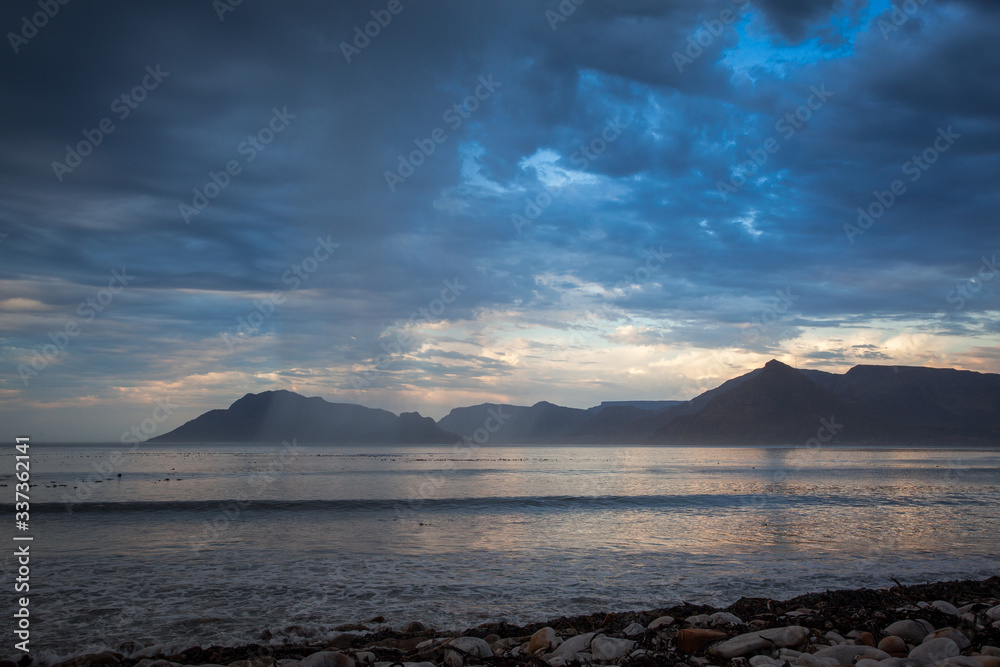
(276, 416)
(773, 405)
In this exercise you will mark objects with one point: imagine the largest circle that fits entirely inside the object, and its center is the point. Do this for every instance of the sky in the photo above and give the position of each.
(417, 206)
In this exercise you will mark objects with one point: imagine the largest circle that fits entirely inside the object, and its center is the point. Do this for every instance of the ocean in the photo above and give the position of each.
(201, 545)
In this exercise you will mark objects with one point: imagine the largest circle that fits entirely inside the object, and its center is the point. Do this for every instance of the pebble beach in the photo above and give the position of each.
(945, 624)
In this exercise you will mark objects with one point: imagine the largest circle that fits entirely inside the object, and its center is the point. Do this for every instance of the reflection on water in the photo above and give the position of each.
(338, 534)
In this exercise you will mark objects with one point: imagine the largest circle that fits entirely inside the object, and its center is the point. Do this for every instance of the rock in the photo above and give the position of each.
(927, 624)
(893, 644)
(365, 658)
(545, 638)
(89, 659)
(834, 638)
(474, 646)
(505, 645)
(873, 653)
(867, 662)
(661, 622)
(414, 626)
(690, 640)
(807, 660)
(129, 647)
(844, 653)
(607, 649)
(993, 613)
(907, 630)
(935, 650)
(987, 660)
(740, 645)
(633, 630)
(764, 661)
(952, 634)
(573, 645)
(990, 650)
(867, 638)
(699, 619)
(725, 617)
(257, 661)
(959, 661)
(327, 659)
(946, 607)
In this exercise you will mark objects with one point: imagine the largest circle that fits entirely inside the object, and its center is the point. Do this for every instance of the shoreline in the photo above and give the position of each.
(944, 624)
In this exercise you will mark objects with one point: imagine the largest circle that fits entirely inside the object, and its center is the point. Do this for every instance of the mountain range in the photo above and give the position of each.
(773, 405)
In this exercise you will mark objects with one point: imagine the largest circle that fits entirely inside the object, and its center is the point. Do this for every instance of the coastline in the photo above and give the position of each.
(942, 624)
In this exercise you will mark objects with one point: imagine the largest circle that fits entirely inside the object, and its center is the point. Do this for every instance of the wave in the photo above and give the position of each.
(486, 504)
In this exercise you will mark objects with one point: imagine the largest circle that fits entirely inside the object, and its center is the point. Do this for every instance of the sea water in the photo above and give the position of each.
(201, 545)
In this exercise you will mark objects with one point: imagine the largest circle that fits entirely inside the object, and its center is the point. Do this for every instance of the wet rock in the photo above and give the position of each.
(474, 646)
(570, 650)
(792, 635)
(257, 661)
(546, 638)
(952, 634)
(893, 644)
(959, 661)
(935, 650)
(946, 607)
(129, 648)
(327, 659)
(844, 653)
(690, 640)
(266, 635)
(633, 629)
(90, 659)
(699, 619)
(661, 622)
(725, 617)
(606, 649)
(834, 637)
(415, 626)
(908, 630)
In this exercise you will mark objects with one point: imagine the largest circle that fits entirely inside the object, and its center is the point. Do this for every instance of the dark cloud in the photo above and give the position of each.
(594, 120)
